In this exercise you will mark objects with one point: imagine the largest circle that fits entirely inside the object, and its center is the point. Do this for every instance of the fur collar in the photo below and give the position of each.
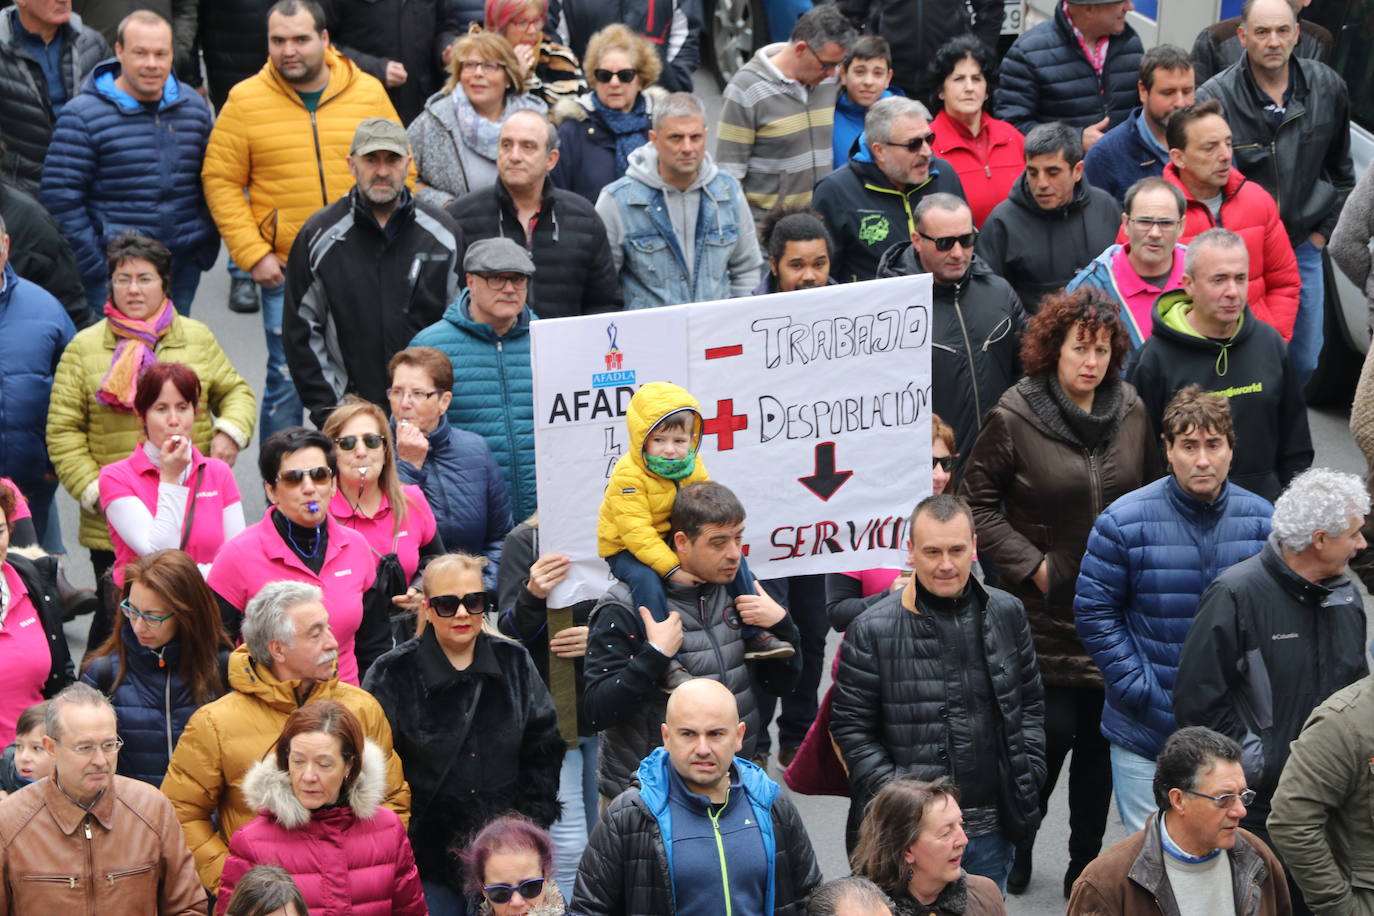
(268, 789)
(580, 108)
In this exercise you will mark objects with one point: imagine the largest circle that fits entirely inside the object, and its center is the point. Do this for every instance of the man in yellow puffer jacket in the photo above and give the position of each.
(284, 136)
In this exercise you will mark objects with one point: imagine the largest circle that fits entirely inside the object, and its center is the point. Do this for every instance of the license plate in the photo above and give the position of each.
(1013, 15)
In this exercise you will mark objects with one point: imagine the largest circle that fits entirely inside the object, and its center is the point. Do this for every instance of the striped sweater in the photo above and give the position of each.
(775, 134)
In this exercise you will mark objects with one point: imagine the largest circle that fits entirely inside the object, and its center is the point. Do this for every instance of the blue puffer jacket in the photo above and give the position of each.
(152, 703)
(1122, 157)
(493, 392)
(115, 165)
(1046, 77)
(34, 330)
(465, 490)
(1150, 556)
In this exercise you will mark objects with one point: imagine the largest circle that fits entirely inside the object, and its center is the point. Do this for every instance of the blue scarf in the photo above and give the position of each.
(630, 129)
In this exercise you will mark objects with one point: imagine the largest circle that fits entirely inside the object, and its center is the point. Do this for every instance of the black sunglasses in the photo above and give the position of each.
(501, 893)
(371, 440)
(604, 76)
(296, 476)
(946, 242)
(945, 464)
(447, 606)
(915, 143)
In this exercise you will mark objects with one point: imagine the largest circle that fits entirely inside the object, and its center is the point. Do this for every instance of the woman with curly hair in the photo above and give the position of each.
(1060, 446)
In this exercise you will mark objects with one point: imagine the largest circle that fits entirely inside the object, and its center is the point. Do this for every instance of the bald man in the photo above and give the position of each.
(733, 842)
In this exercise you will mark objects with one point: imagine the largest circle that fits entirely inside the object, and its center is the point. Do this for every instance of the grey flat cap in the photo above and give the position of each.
(497, 256)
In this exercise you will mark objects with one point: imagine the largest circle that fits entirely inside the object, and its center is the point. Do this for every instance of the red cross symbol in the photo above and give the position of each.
(724, 424)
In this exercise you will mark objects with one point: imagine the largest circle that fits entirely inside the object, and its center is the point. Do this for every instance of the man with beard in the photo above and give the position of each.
(365, 275)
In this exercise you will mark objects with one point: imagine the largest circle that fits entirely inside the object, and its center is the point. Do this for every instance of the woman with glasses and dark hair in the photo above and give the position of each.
(167, 660)
(473, 724)
(319, 792)
(299, 540)
(510, 868)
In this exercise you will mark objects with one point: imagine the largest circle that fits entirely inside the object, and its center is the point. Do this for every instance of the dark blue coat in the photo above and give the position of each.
(34, 330)
(586, 156)
(115, 165)
(152, 704)
(1150, 556)
(1046, 77)
(1121, 158)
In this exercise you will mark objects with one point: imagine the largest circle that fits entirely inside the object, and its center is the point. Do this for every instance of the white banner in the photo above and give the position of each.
(817, 415)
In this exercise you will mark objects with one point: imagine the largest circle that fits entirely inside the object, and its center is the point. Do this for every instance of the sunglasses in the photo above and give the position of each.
(945, 464)
(447, 606)
(371, 440)
(946, 242)
(296, 476)
(501, 893)
(625, 76)
(915, 143)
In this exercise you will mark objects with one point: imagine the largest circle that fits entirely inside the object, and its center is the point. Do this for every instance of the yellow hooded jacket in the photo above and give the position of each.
(638, 503)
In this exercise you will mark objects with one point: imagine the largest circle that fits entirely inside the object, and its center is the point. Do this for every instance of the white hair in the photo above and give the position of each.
(265, 618)
(1318, 499)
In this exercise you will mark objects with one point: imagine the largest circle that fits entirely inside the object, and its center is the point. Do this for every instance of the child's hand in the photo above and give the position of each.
(666, 636)
(547, 571)
(759, 610)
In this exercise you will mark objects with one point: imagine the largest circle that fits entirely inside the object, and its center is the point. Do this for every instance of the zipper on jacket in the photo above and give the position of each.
(1274, 158)
(167, 705)
(510, 425)
(711, 635)
(968, 357)
(319, 159)
(720, 851)
(1095, 479)
(90, 864)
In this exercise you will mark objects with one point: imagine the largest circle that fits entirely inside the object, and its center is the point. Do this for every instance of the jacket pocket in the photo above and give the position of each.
(267, 229)
(127, 885)
(47, 893)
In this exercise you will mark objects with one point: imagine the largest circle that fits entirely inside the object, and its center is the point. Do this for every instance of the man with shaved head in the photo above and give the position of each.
(731, 840)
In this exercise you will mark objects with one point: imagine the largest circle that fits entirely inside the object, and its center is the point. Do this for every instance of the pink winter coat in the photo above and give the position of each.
(350, 860)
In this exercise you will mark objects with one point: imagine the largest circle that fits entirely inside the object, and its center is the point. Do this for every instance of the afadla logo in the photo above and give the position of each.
(874, 228)
(615, 375)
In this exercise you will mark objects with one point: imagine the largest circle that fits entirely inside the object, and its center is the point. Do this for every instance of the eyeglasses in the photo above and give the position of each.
(502, 281)
(827, 66)
(488, 67)
(946, 242)
(400, 394)
(144, 280)
(86, 750)
(1226, 801)
(296, 476)
(1145, 223)
(371, 440)
(501, 893)
(625, 76)
(945, 464)
(526, 24)
(915, 143)
(133, 613)
(447, 606)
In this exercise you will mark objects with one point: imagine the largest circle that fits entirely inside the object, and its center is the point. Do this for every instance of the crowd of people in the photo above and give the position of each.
(363, 702)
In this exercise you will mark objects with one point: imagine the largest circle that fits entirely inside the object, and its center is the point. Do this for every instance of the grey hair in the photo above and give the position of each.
(854, 890)
(881, 114)
(940, 200)
(1212, 238)
(1318, 499)
(1055, 137)
(77, 694)
(821, 25)
(551, 141)
(265, 618)
(678, 105)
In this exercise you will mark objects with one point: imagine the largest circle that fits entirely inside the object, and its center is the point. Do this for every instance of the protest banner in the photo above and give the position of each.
(816, 409)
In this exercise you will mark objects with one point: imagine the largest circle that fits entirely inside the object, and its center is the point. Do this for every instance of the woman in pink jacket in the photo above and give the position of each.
(319, 792)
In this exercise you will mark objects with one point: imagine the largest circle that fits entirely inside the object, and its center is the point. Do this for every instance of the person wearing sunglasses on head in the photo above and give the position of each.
(297, 539)
(1192, 855)
(510, 868)
(474, 726)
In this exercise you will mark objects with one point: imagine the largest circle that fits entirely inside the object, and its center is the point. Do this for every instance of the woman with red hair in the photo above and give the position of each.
(551, 69)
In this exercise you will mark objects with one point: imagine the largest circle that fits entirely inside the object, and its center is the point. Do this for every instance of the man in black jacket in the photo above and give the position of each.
(941, 679)
(1053, 223)
(1218, 45)
(1290, 126)
(39, 253)
(977, 318)
(366, 274)
(574, 273)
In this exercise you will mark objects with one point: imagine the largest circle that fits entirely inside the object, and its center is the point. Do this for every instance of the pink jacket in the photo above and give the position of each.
(350, 859)
(259, 555)
(21, 505)
(417, 531)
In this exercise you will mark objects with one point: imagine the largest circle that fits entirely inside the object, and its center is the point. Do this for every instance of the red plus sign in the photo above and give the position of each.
(724, 424)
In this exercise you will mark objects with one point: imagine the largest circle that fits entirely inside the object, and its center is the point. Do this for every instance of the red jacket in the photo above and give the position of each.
(987, 175)
(1249, 212)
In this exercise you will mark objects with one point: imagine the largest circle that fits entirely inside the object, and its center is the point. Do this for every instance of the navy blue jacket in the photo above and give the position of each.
(1121, 158)
(34, 330)
(152, 702)
(1150, 556)
(1046, 77)
(115, 165)
(586, 156)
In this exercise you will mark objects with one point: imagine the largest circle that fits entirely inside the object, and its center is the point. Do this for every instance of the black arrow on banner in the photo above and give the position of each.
(825, 481)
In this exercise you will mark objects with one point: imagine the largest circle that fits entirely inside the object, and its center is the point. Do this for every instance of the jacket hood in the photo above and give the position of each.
(267, 788)
(1021, 195)
(581, 108)
(101, 82)
(457, 315)
(653, 403)
(643, 166)
(257, 681)
(342, 74)
(11, 280)
(1171, 323)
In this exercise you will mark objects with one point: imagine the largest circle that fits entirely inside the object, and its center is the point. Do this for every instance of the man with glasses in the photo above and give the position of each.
(869, 202)
(365, 275)
(1053, 223)
(102, 841)
(1135, 274)
(775, 124)
(485, 334)
(1192, 856)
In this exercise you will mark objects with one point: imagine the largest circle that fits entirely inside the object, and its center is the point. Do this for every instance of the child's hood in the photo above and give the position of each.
(651, 404)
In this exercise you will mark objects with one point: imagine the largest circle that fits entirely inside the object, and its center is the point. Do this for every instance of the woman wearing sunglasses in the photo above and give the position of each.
(1060, 446)
(319, 790)
(395, 519)
(166, 659)
(298, 540)
(510, 868)
(473, 725)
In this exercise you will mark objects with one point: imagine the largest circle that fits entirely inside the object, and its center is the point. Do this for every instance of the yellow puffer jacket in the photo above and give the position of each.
(84, 435)
(638, 503)
(226, 737)
(291, 161)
